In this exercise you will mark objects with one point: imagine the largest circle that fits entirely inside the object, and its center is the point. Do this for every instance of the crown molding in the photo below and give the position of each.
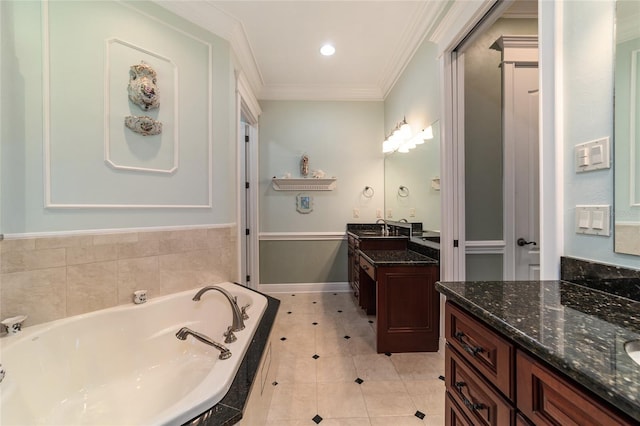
(423, 22)
(320, 93)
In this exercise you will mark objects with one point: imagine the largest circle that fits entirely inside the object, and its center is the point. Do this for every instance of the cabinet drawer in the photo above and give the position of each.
(548, 399)
(368, 268)
(478, 400)
(484, 349)
(453, 415)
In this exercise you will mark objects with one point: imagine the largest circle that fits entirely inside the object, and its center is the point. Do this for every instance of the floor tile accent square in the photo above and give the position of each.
(317, 419)
(347, 337)
(316, 356)
(314, 323)
(387, 353)
(283, 338)
(359, 381)
(420, 415)
(441, 378)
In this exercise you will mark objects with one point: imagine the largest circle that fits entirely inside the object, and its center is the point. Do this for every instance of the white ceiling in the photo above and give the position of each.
(276, 43)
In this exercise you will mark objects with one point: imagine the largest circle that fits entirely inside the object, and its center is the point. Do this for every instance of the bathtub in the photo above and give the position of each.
(124, 365)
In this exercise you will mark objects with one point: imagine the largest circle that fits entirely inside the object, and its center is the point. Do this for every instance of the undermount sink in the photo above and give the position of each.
(633, 349)
(370, 232)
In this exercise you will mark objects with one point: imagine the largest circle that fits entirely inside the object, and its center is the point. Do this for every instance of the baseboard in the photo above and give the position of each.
(304, 287)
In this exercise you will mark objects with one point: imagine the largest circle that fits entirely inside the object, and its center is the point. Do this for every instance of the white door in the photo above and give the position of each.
(520, 131)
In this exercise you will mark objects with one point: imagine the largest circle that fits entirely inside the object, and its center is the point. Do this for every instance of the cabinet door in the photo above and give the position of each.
(548, 399)
(408, 309)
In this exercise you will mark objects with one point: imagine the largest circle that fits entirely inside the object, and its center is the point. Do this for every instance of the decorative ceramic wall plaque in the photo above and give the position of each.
(143, 88)
(143, 125)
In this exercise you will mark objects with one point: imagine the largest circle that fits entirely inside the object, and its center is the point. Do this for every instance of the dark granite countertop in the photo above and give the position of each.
(397, 258)
(229, 410)
(373, 233)
(578, 330)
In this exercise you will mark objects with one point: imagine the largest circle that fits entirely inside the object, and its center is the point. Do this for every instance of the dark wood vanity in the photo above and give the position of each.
(498, 374)
(397, 285)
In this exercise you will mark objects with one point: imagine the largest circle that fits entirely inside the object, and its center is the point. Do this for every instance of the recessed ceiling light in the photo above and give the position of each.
(327, 50)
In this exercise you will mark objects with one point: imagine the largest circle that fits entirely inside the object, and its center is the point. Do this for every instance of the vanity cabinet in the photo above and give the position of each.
(366, 300)
(490, 381)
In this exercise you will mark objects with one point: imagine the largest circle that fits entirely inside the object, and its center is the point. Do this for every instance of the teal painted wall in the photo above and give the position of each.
(588, 93)
(77, 69)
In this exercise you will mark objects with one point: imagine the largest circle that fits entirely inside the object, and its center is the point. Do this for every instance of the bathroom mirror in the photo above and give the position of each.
(412, 183)
(627, 128)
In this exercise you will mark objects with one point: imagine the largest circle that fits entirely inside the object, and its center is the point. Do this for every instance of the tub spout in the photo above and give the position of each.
(238, 322)
(184, 332)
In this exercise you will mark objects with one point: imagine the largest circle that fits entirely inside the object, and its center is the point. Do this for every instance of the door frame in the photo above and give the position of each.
(247, 111)
(550, 28)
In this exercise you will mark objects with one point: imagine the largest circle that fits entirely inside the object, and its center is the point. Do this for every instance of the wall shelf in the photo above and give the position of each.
(309, 184)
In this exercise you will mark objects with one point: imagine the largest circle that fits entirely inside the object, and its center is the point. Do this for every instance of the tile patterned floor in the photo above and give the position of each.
(330, 374)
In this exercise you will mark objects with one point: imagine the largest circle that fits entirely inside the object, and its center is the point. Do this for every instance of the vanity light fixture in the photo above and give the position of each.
(401, 140)
(327, 50)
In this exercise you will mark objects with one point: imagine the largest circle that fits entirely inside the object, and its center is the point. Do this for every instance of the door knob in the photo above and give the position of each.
(522, 242)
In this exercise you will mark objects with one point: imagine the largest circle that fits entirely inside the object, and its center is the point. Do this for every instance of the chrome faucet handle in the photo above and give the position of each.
(229, 337)
(245, 316)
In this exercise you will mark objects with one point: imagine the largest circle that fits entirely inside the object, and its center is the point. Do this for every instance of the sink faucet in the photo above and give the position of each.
(238, 321)
(184, 332)
(385, 226)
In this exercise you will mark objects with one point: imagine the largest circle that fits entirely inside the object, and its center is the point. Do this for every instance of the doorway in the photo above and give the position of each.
(488, 165)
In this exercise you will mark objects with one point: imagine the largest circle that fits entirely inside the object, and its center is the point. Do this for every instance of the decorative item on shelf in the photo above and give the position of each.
(318, 174)
(139, 297)
(143, 125)
(368, 191)
(304, 203)
(402, 140)
(143, 88)
(403, 191)
(304, 165)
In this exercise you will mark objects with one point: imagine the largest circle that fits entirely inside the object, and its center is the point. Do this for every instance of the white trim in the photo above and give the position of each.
(275, 289)
(550, 29)
(485, 247)
(115, 231)
(312, 184)
(107, 115)
(46, 97)
(634, 168)
(248, 102)
(302, 236)
(320, 93)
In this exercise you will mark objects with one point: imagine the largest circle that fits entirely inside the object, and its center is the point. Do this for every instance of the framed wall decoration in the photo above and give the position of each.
(304, 203)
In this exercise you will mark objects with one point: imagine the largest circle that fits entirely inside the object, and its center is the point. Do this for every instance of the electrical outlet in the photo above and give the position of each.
(356, 213)
(412, 212)
(389, 213)
(378, 214)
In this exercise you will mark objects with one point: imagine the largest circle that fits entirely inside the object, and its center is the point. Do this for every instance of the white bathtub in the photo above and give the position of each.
(124, 365)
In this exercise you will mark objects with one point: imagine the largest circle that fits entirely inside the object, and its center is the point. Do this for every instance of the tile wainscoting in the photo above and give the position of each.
(48, 278)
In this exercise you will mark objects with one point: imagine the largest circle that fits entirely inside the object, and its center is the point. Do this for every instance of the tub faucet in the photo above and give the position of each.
(238, 322)
(184, 332)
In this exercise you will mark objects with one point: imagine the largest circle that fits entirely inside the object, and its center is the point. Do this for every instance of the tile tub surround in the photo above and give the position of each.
(330, 373)
(556, 321)
(48, 278)
(613, 279)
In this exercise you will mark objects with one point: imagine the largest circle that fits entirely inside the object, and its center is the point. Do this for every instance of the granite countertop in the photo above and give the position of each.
(397, 258)
(372, 233)
(576, 329)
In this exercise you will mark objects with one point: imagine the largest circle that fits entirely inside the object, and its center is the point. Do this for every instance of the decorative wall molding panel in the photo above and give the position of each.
(302, 236)
(85, 105)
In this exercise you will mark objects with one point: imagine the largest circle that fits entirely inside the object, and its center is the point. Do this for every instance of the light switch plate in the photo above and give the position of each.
(592, 155)
(593, 220)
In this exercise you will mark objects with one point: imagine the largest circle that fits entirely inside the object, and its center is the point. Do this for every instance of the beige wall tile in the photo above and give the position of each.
(143, 248)
(38, 294)
(27, 260)
(20, 244)
(128, 237)
(138, 274)
(91, 287)
(61, 242)
(90, 254)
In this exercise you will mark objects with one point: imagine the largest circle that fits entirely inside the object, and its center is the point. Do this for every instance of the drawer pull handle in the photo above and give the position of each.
(365, 267)
(473, 406)
(471, 349)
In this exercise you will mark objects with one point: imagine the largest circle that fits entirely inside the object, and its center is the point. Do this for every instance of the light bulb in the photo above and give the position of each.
(427, 133)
